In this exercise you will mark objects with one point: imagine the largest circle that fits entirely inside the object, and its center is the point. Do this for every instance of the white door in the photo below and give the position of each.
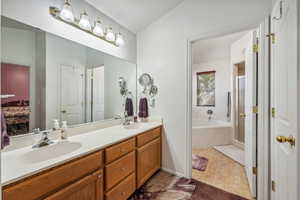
(284, 97)
(98, 93)
(89, 84)
(251, 116)
(72, 94)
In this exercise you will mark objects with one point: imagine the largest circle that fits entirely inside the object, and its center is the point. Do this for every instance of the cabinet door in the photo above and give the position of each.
(87, 188)
(148, 161)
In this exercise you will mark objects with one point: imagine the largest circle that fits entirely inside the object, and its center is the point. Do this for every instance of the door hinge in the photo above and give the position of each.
(255, 48)
(273, 185)
(254, 170)
(255, 109)
(272, 37)
(273, 112)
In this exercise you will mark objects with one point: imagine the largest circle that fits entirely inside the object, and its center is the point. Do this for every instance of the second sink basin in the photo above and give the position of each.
(51, 151)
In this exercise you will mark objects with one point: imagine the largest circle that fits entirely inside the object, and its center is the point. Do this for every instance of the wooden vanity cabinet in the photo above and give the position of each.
(56, 179)
(114, 173)
(148, 155)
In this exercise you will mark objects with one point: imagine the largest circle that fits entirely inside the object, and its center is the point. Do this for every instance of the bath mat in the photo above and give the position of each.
(165, 186)
(232, 152)
(199, 162)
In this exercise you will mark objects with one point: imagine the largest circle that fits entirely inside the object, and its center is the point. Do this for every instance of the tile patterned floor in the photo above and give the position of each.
(223, 173)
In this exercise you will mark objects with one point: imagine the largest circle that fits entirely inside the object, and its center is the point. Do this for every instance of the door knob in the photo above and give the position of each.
(63, 111)
(283, 139)
(243, 115)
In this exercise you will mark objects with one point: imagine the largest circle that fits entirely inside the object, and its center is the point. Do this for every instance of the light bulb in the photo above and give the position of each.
(84, 22)
(98, 29)
(110, 36)
(66, 12)
(119, 39)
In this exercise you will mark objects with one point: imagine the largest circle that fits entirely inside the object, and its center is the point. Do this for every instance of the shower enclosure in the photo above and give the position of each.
(240, 106)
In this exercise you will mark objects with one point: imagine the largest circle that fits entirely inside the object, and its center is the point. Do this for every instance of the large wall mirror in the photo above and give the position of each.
(46, 77)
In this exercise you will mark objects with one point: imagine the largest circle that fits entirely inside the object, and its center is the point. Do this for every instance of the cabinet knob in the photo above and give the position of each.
(123, 169)
(100, 176)
(123, 193)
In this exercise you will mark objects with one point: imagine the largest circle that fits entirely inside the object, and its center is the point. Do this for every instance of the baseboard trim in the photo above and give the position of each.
(239, 144)
(173, 172)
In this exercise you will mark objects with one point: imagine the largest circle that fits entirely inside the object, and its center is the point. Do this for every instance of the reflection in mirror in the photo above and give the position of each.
(45, 77)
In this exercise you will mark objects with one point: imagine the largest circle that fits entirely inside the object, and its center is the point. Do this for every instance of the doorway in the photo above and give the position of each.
(220, 115)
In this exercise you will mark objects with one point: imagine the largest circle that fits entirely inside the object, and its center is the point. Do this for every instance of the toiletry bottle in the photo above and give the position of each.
(55, 124)
(64, 131)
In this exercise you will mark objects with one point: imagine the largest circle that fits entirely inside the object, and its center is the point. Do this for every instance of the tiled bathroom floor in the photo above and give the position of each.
(222, 172)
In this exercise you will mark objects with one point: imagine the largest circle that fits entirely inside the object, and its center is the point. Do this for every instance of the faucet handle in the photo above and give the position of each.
(45, 135)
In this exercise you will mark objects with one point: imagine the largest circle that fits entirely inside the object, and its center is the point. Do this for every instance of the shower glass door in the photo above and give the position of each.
(240, 136)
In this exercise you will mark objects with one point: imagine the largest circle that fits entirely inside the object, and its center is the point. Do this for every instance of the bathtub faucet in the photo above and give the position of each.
(209, 113)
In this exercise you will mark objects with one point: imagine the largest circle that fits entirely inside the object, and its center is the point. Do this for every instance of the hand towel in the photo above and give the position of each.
(129, 106)
(143, 108)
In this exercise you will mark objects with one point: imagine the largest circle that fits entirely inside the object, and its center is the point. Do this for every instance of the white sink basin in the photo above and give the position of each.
(132, 126)
(51, 151)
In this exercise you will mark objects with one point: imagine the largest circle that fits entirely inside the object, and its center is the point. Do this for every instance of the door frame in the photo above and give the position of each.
(263, 176)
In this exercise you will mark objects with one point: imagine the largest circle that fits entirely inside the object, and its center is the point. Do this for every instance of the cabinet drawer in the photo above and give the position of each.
(123, 190)
(118, 150)
(148, 136)
(118, 170)
(42, 184)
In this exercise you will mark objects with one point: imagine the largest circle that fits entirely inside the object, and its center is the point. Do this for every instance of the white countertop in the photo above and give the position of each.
(17, 164)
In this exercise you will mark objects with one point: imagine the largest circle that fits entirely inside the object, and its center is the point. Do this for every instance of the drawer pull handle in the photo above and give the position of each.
(123, 169)
(123, 193)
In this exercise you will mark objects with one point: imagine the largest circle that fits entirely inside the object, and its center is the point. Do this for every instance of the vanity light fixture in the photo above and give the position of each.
(110, 36)
(84, 22)
(66, 15)
(119, 39)
(98, 29)
(66, 12)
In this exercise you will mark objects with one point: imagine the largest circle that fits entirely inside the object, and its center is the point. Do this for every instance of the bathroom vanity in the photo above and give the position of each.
(120, 162)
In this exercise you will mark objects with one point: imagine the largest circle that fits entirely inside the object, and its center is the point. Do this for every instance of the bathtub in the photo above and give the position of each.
(211, 133)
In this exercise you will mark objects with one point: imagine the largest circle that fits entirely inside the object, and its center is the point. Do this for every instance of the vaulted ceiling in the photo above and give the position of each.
(135, 14)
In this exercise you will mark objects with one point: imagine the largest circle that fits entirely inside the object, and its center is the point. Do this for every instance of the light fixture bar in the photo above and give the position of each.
(55, 12)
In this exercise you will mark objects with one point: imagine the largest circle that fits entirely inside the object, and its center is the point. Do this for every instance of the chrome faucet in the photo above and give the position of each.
(126, 121)
(44, 141)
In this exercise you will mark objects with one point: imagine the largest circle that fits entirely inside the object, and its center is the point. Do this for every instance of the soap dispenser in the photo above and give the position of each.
(55, 125)
(64, 130)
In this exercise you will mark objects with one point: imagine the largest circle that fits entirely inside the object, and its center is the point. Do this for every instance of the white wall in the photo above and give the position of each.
(18, 47)
(222, 87)
(213, 55)
(162, 51)
(36, 13)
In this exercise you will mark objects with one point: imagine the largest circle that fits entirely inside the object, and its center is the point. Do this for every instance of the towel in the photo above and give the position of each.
(4, 135)
(129, 106)
(143, 108)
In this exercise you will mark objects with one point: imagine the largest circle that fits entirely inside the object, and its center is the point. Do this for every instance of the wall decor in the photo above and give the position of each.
(206, 88)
